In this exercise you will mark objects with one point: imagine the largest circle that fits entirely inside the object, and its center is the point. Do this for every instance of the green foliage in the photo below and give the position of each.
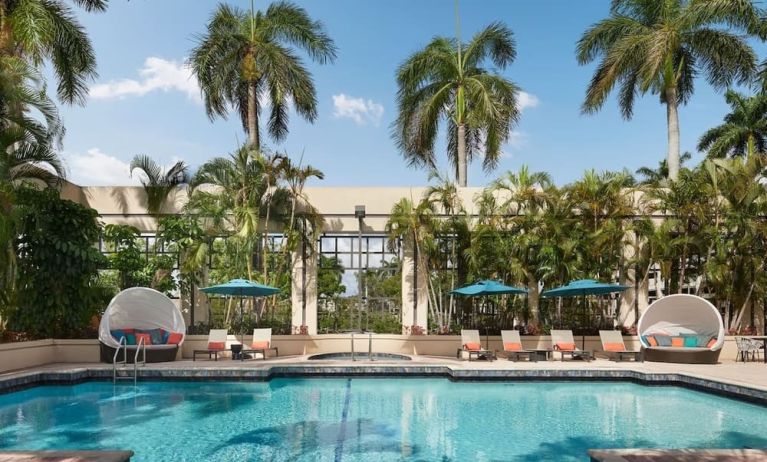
(744, 131)
(329, 277)
(57, 265)
(127, 258)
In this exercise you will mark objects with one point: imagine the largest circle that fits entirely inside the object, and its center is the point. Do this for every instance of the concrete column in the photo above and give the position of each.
(304, 290)
(415, 298)
(634, 299)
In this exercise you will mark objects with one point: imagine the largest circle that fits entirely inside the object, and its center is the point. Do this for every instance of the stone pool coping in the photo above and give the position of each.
(264, 371)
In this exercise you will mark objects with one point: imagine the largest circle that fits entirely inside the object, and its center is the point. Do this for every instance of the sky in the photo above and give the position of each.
(145, 100)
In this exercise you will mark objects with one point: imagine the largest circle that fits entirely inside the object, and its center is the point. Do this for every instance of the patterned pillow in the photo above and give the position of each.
(165, 336)
(156, 335)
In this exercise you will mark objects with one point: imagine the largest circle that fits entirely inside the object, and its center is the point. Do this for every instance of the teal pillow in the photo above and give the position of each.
(690, 341)
(130, 338)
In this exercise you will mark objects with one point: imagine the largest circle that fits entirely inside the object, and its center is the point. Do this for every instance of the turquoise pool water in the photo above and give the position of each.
(373, 419)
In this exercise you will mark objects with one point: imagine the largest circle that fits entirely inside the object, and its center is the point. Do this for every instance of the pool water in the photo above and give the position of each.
(373, 419)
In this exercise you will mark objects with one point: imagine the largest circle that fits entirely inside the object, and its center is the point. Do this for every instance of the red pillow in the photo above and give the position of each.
(614, 347)
(260, 345)
(562, 346)
(512, 346)
(147, 338)
(711, 342)
(174, 338)
(216, 345)
(652, 340)
(677, 342)
(473, 346)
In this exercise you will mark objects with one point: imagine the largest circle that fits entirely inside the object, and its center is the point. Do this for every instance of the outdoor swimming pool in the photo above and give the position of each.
(372, 419)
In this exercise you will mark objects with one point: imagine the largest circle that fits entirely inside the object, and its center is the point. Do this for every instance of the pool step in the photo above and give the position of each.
(678, 455)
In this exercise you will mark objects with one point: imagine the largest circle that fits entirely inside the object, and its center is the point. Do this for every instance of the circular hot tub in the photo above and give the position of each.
(359, 357)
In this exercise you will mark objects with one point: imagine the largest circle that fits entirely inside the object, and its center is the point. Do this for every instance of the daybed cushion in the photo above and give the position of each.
(669, 348)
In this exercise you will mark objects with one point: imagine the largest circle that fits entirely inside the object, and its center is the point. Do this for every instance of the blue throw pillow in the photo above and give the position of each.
(165, 335)
(663, 340)
(118, 334)
(690, 341)
(156, 335)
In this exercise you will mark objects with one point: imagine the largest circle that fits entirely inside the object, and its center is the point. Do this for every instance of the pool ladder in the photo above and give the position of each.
(370, 346)
(123, 346)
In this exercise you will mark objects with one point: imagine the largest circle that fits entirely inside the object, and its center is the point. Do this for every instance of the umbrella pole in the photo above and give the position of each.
(583, 322)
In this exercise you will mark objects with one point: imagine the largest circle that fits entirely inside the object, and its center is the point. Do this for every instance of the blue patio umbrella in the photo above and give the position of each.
(582, 288)
(241, 288)
(487, 287)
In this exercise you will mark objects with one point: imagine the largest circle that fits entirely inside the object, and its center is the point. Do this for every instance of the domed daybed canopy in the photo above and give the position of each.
(141, 312)
(681, 328)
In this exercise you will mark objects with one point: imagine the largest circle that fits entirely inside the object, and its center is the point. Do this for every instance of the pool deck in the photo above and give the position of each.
(744, 381)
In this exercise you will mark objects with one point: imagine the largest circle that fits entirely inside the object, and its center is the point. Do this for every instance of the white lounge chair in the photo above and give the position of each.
(512, 346)
(563, 342)
(216, 344)
(471, 344)
(613, 346)
(262, 342)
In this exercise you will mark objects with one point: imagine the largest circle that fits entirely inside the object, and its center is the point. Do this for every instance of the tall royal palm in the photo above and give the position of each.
(744, 131)
(244, 61)
(446, 81)
(660, 46)
(47, 30)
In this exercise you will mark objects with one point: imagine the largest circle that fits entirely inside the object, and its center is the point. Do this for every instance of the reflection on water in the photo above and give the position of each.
(372, 419)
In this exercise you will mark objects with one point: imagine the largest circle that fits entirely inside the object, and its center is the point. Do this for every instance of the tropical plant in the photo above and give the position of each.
(658, 175)
(47, 30)
(660, 47)
(244, 61)
(744, 131)
(58, 263)
(446, 81)
(158, 182)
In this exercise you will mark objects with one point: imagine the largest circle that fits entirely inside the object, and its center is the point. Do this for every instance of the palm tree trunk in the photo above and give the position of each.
(462, 161)
(672, 116)
(253, 138)
(533, 300)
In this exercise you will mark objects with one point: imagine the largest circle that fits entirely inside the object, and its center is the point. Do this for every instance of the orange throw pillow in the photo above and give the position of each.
(512, 346)
(216, 345)
(677, 342)
(614, 347)
(562, 346)
(174, 338)
(652, 340)
(473, 346)
(147, 339)
(711, 342)
(261, 345)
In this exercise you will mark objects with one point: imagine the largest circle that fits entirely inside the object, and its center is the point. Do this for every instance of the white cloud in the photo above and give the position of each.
(360, 110)
(157, 75)
(96, 168)
(526, 100)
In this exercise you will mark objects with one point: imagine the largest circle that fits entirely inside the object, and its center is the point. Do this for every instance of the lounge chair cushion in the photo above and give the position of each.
(260, 345)
(141, 335)
(677, 341)
(174, 338)
(564, 346)
(690, 341)
(512, 347)
(216, 345)
(473, 346)
(614, 347)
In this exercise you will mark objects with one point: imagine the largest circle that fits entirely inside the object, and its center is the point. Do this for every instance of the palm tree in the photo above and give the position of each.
(446, 81)
(660, 47)
(47, 30)
(157, 181)
(744, 131)
(656, 176)
(244, 59)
